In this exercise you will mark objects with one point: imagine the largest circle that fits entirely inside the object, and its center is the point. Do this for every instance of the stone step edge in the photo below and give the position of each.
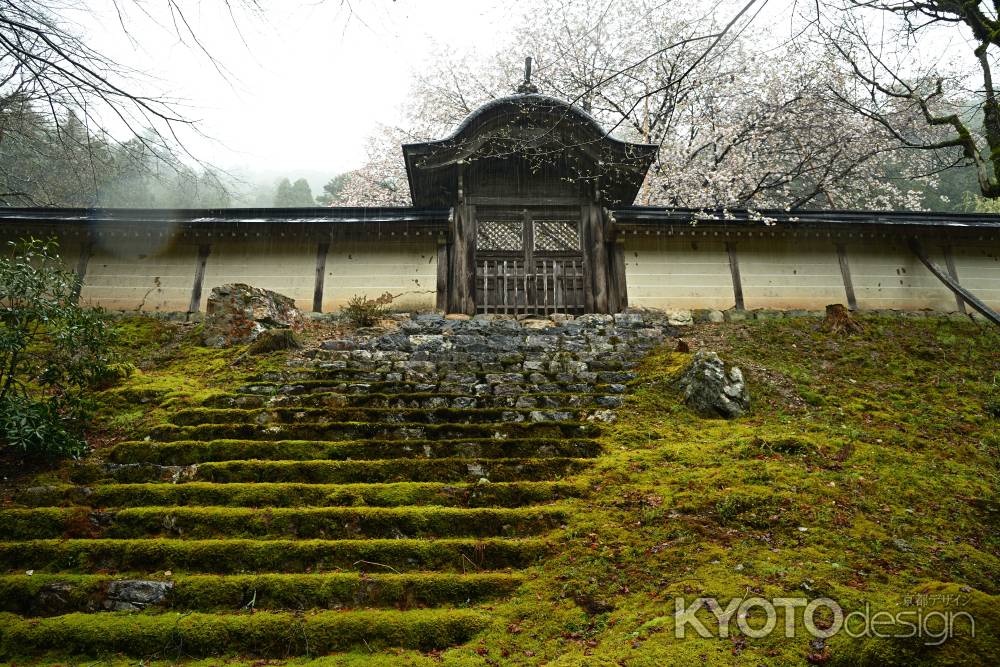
(301, 494)
(378, 431)
(430, 416)
(214, 522)
(332, 472)
(55, 594)
(262, 634)
(188, 452)
(239, 556)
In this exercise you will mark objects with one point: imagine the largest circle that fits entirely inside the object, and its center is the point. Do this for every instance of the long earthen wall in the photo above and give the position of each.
(163, 269)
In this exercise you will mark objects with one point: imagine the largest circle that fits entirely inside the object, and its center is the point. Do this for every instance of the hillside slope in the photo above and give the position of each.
(866, 472)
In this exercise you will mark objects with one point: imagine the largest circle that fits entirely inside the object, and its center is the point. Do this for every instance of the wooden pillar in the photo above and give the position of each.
(442, 274)
(595, 259)
(462, 290)
(321, 251)
(199, 277)
(949, 262)
(845, 273)
(586, 242)
(618, 290)
(86, 249)
(734, 270)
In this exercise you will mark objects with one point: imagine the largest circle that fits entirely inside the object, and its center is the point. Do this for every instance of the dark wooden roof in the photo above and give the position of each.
(651, 216)
(290, 216)
(535, 122)
(625, 217)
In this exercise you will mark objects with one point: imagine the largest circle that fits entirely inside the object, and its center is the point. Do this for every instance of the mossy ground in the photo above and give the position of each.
(867, 472)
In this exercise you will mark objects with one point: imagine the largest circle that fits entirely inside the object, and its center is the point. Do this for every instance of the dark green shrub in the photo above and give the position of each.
(39, 428)
(51, 351)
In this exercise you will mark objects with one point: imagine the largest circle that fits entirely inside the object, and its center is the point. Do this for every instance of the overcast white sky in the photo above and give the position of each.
(306, 83)
(309, 84)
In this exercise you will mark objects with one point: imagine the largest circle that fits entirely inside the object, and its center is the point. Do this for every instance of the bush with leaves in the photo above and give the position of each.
(361, 311)
(51, 351)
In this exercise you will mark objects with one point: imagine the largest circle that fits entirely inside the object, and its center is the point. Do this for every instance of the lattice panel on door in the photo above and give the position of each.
(557, 236)
(499, 235)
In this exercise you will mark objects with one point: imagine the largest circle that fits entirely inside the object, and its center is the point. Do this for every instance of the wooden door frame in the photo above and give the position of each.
(603, 258)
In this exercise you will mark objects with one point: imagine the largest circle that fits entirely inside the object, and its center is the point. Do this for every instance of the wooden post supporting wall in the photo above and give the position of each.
(86, 249)
(618, 290)
(199, 277)
(442, 274)
(321, 251)
(595, 259)
(734, 269)
(949, 261)
(845, 273)
(462, 290)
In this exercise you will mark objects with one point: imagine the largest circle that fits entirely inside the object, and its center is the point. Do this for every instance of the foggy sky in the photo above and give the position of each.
(300, 88)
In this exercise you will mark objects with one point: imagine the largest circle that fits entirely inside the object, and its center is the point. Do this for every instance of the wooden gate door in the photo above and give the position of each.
(529, 262)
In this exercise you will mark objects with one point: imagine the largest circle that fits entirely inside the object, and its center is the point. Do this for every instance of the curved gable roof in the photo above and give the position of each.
(430, 166)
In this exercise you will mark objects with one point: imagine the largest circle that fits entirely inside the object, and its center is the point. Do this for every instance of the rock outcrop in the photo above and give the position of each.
(710, 390)
(135, 594)
(237, 314)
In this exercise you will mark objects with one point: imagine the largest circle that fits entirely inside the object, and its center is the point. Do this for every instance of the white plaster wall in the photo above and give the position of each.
(887, 275)
(797, 272)
(790, 272)
(130, 272)
(286, 266)
(672, 272)
(978, 268)
(133, 270)
(405, 268)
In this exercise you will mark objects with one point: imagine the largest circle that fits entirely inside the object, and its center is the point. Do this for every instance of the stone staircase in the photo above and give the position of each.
(380, 492)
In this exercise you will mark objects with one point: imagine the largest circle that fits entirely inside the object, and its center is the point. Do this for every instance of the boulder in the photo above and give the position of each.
(680, 318)
(710, 390)
(236, 314)
(135, 594)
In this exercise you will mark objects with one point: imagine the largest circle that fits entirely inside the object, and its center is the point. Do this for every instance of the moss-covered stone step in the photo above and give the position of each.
(404, 387)
(416, 400)
(328, 523)
(552, 373)
(54, 594)
(359, 430)
(186, 452)
(336, 472)
(263, 634)
(297, 415)
(258, 494)
(243, 556)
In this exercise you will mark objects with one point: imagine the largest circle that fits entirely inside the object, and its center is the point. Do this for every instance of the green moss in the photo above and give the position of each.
(260, 494)
(50, 594)
(302, 523)
(866, 471)
(356, 430)
(224, 556)
(262, 634)
(186, 452)
(339, 472)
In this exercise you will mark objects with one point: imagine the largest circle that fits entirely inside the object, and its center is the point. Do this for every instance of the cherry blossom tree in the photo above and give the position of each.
(924, 71)
(739, 121)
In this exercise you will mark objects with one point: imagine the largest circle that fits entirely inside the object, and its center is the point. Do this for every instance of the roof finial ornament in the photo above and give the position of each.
(526, 86)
